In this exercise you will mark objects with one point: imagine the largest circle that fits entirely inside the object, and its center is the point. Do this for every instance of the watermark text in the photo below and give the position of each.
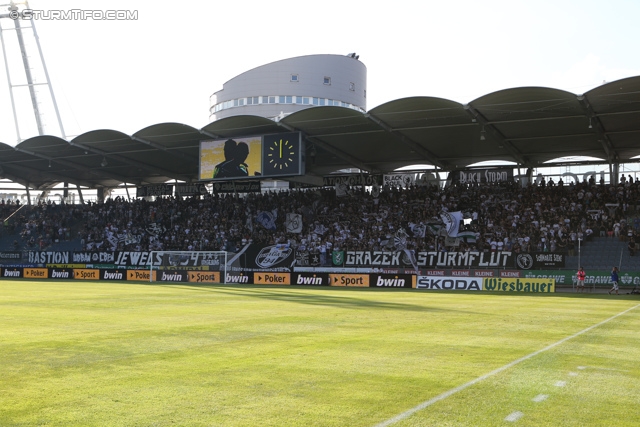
(74, 15)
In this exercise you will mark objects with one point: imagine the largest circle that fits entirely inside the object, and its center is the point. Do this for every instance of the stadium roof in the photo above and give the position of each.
(527, 126)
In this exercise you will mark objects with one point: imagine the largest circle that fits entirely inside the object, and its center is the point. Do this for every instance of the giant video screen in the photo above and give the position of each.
(231, 158)
(263, 156)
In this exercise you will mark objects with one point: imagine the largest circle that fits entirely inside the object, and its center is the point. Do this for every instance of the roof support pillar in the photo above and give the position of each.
(614, 172)
(80, 194)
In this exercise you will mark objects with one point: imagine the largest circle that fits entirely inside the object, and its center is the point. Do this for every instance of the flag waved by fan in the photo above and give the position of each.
(451, 222)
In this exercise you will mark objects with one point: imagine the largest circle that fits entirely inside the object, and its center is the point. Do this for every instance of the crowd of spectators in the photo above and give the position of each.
(545, 217)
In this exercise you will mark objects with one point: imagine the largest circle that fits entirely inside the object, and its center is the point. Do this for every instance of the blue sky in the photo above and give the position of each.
(162, 67)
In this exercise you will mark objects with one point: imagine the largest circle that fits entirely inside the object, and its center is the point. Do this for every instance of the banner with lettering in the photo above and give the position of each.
(7, 257)
(212, 260)
(482, 176)
(154, 190)
(356, 179)
(503, 259)
(539, 260)
(594, 278)
(237, 187)
(185, 190)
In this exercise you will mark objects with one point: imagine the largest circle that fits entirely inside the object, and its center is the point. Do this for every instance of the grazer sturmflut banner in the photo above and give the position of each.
(429, 259)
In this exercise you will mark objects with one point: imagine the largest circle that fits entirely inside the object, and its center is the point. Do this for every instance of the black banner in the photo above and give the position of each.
(428, 259)
(10, 256)
(482, 176)
(540, 261)
(185, 190)
(135, 259)
(154, 190)
(86, 257)
(237, 186)
(259, 257)
(356, 179)
(143, 259)
(49, 257)
(307, 259)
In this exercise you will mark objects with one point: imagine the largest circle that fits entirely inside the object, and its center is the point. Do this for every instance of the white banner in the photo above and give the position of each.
(449, 283)
(294, 223)
(451, 222)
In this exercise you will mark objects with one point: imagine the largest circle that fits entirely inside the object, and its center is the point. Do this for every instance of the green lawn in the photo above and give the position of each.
(97, 354)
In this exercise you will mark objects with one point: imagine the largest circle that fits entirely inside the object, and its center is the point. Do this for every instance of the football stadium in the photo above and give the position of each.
(304, 261)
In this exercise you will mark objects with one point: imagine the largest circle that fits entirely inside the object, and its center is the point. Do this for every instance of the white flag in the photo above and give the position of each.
(451, 222)
(294, 223)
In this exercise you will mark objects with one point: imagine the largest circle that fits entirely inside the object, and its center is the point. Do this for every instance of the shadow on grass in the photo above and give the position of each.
(312, 298)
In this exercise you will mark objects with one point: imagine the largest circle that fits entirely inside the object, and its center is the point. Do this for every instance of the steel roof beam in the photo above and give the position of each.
(496, 134)
(77, 166)
(173, 152)
(133, 163)
(595, 123)
(426, 154)
(331, 149)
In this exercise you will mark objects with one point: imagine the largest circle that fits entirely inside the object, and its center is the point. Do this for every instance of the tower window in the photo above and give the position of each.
(327, 80)
(294, 77)
(352, 86)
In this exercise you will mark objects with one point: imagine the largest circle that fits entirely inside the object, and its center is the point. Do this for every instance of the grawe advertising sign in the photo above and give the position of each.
(600, 278)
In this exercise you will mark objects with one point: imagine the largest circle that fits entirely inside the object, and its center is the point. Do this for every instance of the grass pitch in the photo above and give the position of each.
(98, 354)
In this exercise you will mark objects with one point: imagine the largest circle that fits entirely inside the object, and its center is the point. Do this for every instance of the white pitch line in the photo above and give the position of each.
(406, 414)
(560, 383)
(514, 416)
(540, 397)
(573, 374)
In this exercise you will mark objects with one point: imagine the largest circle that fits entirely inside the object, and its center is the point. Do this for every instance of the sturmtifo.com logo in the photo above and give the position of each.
(73, 15)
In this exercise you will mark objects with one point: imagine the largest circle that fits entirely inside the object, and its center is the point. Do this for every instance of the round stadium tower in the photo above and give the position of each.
(283, 87)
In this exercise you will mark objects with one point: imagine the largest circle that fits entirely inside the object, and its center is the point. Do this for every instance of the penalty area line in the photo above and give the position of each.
(406, 414)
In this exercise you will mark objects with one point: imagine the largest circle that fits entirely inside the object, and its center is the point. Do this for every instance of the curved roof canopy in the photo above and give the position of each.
(526, 125)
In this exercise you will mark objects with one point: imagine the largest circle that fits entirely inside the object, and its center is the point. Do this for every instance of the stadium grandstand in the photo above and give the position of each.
(481, 162)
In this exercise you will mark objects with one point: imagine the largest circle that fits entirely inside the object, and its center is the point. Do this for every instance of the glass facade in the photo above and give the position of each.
(283, 99)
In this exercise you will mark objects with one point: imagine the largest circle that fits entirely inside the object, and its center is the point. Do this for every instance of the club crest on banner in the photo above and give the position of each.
(267, 220)
(294, 223)
(451, 222)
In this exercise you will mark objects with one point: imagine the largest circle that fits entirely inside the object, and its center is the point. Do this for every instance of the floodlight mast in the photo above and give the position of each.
(14, 8)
